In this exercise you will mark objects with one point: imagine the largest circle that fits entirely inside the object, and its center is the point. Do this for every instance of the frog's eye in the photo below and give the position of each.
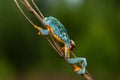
(72, 44)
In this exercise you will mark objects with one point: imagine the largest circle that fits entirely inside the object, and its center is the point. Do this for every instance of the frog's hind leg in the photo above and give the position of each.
(78, 60)
(73, 61)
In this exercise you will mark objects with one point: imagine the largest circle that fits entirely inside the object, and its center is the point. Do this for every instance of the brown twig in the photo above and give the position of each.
(53, 43)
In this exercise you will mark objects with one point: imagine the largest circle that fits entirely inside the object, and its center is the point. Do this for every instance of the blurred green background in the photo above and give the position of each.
(93, 24)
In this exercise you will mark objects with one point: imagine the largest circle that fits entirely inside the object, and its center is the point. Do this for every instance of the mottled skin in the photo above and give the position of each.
(59, 32)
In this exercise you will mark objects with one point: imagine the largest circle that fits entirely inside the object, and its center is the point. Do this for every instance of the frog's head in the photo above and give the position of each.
(72, 44)
(49, 20)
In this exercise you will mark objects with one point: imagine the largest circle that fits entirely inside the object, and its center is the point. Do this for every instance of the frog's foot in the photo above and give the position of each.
(79, 70)
(82, 71)
(39, 33)
(76, 68)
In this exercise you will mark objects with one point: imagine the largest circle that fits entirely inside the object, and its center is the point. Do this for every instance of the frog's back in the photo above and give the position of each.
(58, 29)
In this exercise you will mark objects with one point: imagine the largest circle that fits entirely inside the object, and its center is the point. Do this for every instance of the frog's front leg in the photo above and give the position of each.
(41, 31)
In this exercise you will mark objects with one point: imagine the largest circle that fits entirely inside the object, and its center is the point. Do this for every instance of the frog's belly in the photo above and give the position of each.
(57, 38)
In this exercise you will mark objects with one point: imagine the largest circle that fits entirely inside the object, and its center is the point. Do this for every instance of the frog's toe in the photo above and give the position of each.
(82, 71)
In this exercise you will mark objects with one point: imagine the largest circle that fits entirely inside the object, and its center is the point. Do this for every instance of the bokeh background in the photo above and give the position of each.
(93, 24)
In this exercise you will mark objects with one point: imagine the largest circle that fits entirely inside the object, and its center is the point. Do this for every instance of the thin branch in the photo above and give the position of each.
(23, 12)
(38, 9)
(53, 46)
(57, 46)
(29, 7)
